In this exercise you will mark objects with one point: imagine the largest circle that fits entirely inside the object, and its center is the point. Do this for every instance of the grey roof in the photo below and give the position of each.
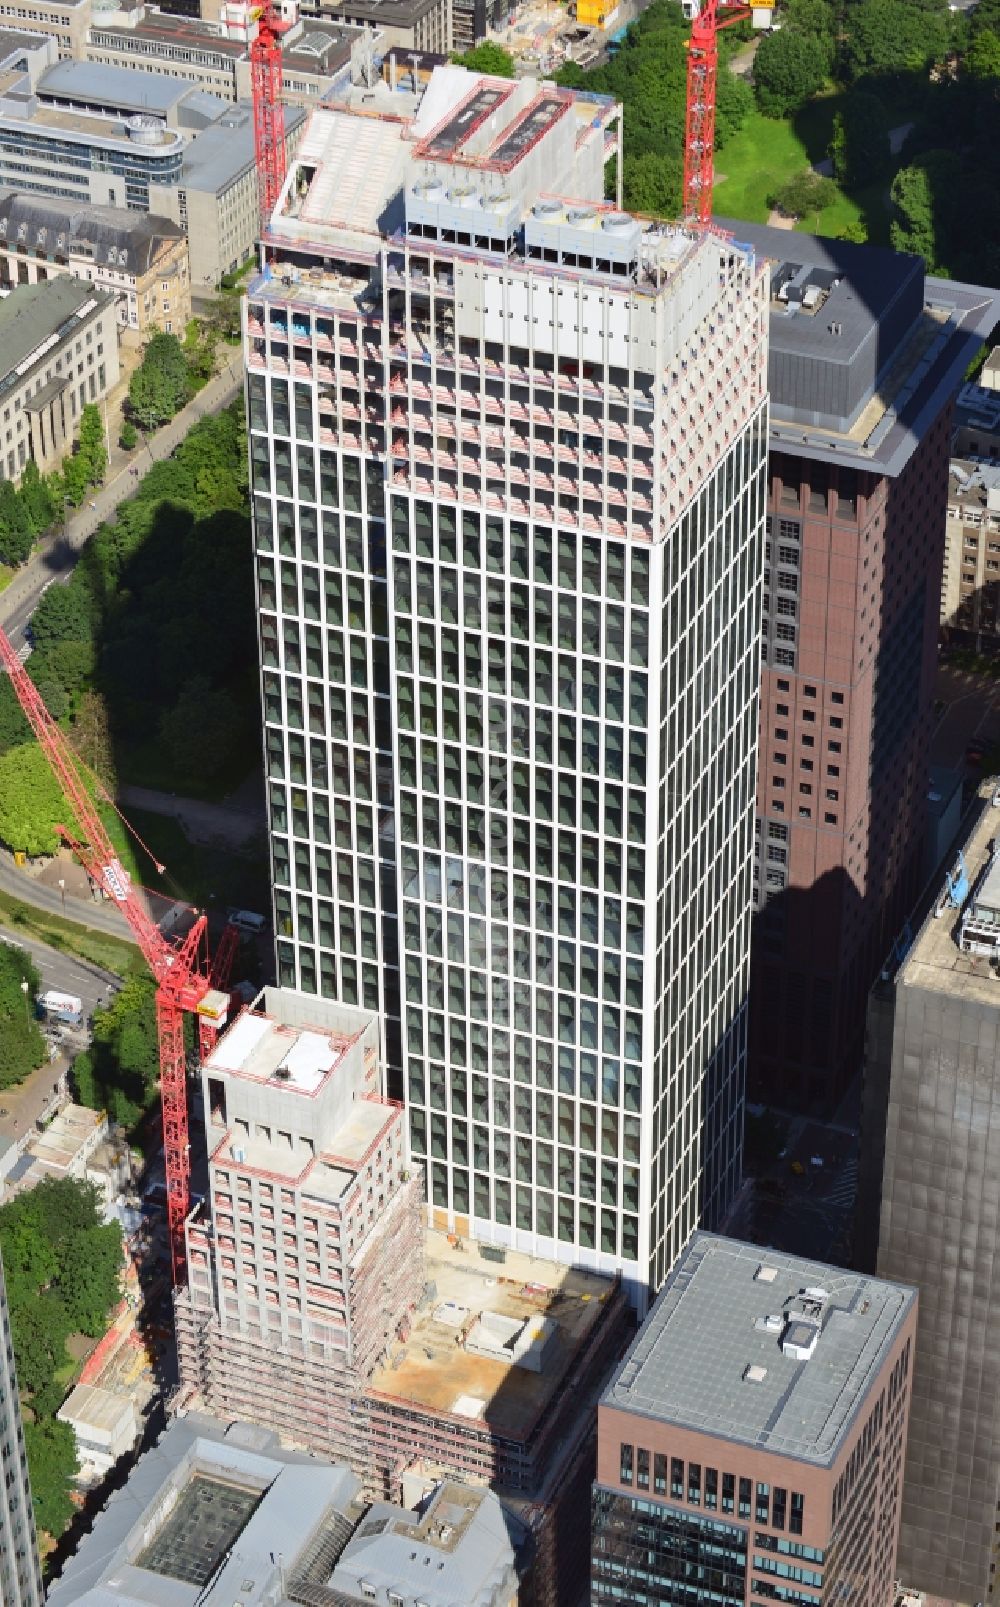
(101, 228)
(816, 372)
(398, 13)
(460, 1548)
(91, 83)
(13, 41)
(31, 313)
(688, 1364)
(224, 151)
(297, 1493)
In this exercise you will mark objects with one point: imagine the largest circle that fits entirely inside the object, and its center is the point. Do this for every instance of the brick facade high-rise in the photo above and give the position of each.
(865, 355)
(750, 1447)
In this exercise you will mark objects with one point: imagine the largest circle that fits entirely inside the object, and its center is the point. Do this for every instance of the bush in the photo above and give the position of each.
(789, 68)
(806, 192)
(129, 436)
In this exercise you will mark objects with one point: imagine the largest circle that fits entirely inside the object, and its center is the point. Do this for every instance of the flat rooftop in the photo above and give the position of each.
(438, 1375)
(66, 1135)
(837, 307)
(935, 960)
(93, 129)
(264, 1050)
(212, 1514)
(703, 1359)
(163, 28)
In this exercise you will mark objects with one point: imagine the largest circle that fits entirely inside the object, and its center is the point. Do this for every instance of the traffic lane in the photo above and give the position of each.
(66, 973)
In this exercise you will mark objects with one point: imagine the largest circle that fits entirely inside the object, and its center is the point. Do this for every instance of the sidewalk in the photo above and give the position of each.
(121, 483)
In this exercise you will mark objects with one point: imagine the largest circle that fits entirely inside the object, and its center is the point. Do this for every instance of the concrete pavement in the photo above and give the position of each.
(53, 563)
(212, 823)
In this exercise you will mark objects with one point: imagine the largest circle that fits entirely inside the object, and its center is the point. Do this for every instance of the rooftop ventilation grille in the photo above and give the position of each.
(754, 1374)
(765, 1274)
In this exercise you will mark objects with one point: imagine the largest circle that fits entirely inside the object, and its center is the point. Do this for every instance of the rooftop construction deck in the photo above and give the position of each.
(435, 1370)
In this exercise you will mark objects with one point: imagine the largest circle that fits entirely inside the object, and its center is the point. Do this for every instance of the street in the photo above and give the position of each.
(65, 972)
(54, 563)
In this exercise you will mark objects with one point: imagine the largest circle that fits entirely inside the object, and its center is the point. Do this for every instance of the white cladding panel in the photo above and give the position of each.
(570, 318)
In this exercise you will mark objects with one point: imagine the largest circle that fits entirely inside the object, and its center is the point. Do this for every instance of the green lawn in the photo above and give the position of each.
(767, 152)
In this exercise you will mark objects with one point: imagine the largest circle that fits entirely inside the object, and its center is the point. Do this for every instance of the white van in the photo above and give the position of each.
(248, 922)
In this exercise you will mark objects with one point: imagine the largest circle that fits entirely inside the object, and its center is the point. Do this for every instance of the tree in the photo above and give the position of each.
(91, 448)
(63, 615)
(161, 385)
(489, 57)
(805, 193)
(40, 1329)
(924, 197)
(128, 435)
(16, 532)
(651, 185)
(14, 728)
(22, 1048)
(199, 732)
(90, 735)
(52, 1465)
(982, 59)
(223, 317)
(31, 802)
(36, 498)
(90, 1279)
(891, 37)
(788, 68)
(75, 479)
(733, 104)
(860, 146)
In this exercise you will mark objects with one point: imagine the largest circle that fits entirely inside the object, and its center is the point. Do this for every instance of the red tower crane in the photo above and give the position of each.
(179, 966)
(268, 108)
(699, 126)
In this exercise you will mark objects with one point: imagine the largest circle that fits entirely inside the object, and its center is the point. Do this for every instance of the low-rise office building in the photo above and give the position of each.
(423, 25)
(195, 51)
(215, 195)
(58, 351)
(219, 1514)
(140, 259)
(750, 1446)
(970, 580)
(65, 21)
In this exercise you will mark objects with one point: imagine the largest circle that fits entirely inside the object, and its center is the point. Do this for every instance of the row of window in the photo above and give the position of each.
(704, 1486)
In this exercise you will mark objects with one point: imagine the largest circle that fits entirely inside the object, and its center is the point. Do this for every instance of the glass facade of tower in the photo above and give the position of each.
(20, 1578)
(509, 618)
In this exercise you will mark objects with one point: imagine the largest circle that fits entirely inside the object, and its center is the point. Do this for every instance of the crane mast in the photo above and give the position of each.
(268, 108)
(699, 123)
(179, 966)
